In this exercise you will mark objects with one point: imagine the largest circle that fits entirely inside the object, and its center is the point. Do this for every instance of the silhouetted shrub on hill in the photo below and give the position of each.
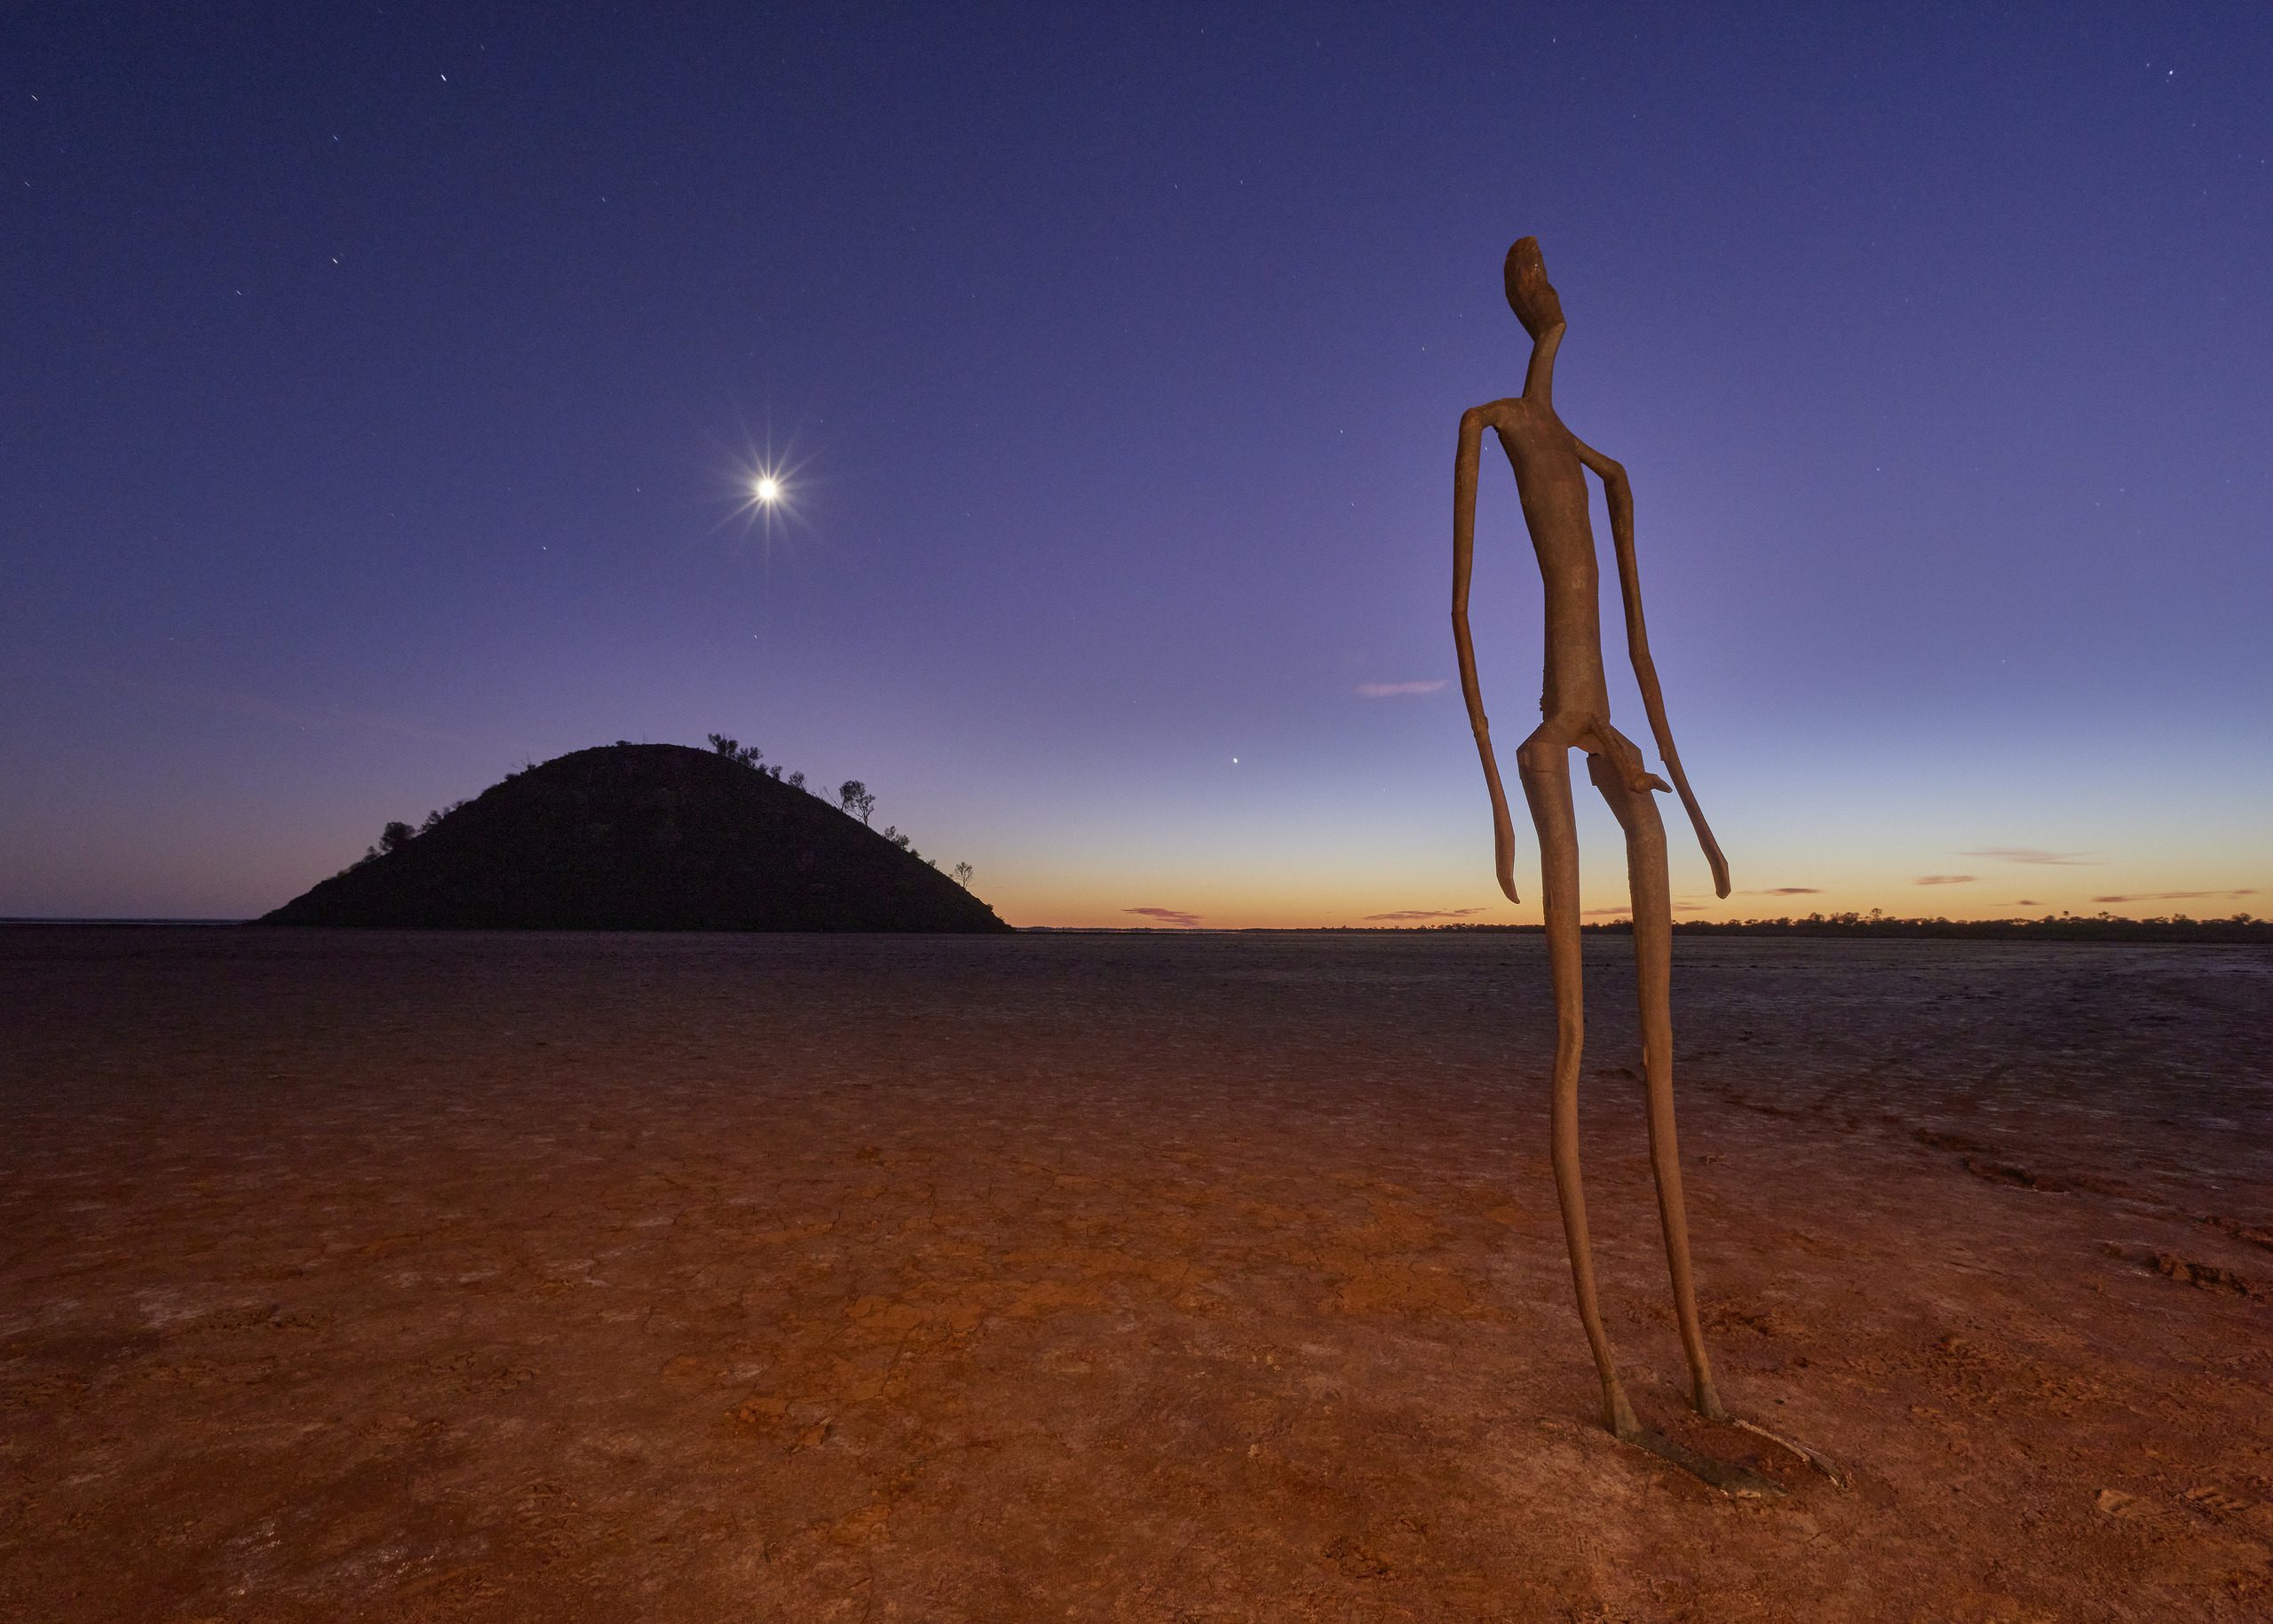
(733, 749)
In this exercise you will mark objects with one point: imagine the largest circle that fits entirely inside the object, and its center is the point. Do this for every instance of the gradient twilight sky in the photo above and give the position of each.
(380, 383)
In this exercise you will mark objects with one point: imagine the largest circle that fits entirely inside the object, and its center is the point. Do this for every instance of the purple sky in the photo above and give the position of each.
(380, 385)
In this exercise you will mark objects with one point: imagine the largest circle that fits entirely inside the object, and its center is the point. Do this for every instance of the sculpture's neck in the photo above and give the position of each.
(1539, 380)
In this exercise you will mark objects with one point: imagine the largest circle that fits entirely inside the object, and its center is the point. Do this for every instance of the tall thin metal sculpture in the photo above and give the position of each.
(1549, 462)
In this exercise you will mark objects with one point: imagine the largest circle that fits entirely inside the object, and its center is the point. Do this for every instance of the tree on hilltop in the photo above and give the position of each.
(734, 749)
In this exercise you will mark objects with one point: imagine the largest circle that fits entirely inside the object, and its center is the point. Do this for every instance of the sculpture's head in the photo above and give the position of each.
(1530, 295)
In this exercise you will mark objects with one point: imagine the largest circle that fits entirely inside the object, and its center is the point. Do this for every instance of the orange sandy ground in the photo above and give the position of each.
(374, 1277)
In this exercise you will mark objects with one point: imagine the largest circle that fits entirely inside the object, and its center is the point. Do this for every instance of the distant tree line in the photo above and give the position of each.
(2050, 927)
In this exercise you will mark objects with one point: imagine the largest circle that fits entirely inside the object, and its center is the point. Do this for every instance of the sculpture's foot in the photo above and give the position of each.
(1815, 1458)
(1725, 1476)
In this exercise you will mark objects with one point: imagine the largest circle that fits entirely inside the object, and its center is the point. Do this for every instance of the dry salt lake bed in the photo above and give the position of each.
(385, 1276)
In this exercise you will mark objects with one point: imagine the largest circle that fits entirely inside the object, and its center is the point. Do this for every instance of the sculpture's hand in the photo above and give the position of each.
(1714, 860)
(1628, 759)
(1503, 828)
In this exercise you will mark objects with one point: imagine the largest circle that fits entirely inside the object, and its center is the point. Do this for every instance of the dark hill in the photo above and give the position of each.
(643, 837)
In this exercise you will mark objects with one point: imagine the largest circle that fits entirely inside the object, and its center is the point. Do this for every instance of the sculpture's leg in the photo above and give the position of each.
(1545, 769)
(1645, 871)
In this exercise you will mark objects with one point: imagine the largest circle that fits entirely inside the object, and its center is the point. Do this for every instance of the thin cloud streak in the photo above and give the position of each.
(1945, 879)
(1165, 915)
(1386, 690)
(1425, 913)
(2031, 854)
(2179, 896)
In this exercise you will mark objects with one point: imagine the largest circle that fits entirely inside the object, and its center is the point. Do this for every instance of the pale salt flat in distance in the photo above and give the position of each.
(1387, 690)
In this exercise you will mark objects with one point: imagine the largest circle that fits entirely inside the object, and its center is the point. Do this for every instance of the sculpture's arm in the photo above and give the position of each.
(1464, 464)
(1619, 494)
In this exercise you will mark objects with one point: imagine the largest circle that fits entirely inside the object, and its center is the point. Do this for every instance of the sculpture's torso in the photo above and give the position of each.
(1551, 482)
